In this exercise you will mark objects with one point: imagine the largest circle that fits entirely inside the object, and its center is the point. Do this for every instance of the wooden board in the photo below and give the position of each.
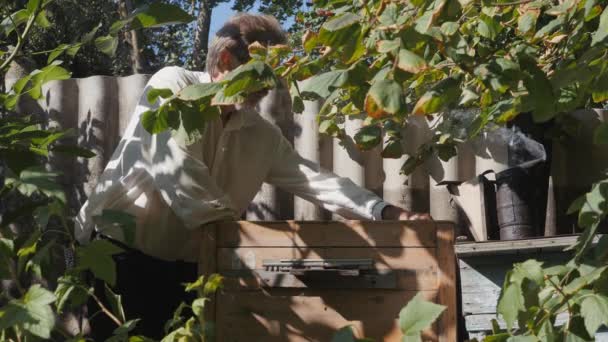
(325, 233)
(312, 316)
(250, 308)
(413, 269)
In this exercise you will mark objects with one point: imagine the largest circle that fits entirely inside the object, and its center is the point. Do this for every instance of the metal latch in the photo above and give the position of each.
(308, 267)
(325, 274)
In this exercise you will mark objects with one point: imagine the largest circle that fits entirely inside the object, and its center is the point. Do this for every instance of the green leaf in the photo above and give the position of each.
(107, 44)
(393, 149)
(115, 301)
(340, 30)
(527, 21)
(214, 282)
(344, 335)
(198, 306)
(155, 121)
(36, 301)
(60, 49)
(576, 205)
(49, 73)
(42, 20)
(368, 137)
(154, 94)
(19, 18)
(221, 99)
(193, 121)
(530, 269)
(550, 27)
(14, 314)
(88, 37)
(127, 327)
(341, 22)
(602, 30)
(582, 281)
(159, 14)
(198, 91)
(70, 289)
(73, 150)
(488, 27)
(97, 257)
(297, 104)
(600, 89)
(322, 85)
(117, 222)
(418, 315)
(510, 303)
(410, 62)
(522, 339)
(36, 179)
(594, 309)
(248, 78)
(440, 96)
(390, 15)
(386, 46)
(384, 97)
(541, 96)
(449, 28)
(33, 5)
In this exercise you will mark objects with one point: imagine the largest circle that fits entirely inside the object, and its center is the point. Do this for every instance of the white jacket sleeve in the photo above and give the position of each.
(304, 178)
(179, 173)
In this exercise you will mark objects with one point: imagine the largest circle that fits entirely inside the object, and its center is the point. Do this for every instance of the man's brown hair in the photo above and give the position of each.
(238, 33)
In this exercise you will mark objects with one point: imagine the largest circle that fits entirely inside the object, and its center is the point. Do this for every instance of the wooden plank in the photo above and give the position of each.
(384, 258)
(516, 246)
(414, 269)
(483, 322)
(290, 315)
(447, 282)
(327, 233)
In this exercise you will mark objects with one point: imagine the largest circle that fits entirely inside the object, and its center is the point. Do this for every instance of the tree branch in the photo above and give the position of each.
(21, 38)
(105, 310)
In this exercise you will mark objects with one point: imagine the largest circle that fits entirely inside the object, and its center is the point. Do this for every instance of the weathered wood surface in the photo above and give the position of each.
(483, 267)
(517, 246)
(312, 315)
(325, 233)
(421, 254)
(413, 268)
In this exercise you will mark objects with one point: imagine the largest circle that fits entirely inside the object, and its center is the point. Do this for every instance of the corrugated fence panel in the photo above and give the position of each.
(98, 109)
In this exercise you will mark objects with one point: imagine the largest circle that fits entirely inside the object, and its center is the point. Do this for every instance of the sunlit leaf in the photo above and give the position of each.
(368, 137)
(602, 30)
(97, 257)
(385, 97)
(594, 309)
(410, 62)
(510, 303)
(441, 95)
(107, 44)
(418, 315)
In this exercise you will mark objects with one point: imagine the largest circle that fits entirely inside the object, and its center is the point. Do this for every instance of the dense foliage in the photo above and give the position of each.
(380, 60)
(387, 60)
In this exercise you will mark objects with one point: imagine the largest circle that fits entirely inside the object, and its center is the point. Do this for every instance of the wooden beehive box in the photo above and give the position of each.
(275, 287)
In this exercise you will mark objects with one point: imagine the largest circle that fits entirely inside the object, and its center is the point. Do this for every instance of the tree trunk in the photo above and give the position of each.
(201, 37)
(139, 63)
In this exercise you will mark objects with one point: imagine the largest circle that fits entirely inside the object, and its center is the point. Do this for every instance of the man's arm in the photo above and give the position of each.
(304, 178)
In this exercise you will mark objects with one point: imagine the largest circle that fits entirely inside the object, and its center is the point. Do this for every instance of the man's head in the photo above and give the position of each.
(229, 48)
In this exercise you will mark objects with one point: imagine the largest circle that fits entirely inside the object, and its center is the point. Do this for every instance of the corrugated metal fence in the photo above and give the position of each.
(98, 109)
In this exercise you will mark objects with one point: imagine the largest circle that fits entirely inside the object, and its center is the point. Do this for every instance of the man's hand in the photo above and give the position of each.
(391, 212)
